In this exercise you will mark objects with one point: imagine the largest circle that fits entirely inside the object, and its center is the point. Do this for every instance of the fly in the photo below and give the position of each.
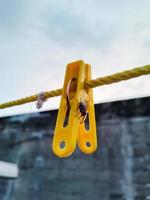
(81, 107)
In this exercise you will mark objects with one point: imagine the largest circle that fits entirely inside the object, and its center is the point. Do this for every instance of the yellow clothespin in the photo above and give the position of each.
(76, 110)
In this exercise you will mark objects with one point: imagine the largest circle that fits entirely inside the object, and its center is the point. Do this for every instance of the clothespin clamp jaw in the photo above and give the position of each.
(74, 108)
(87, 138)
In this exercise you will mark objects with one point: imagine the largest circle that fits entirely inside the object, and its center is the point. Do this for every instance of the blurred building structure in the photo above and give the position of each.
(118, 170)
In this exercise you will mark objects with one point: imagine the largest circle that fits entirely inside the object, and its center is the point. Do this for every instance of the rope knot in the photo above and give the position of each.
(41, 99)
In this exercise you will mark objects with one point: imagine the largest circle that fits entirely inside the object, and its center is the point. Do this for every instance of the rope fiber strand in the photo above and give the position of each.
(121, 76)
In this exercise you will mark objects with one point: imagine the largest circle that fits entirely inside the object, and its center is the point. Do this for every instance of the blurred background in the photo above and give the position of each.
(118, 170)
(37, 40)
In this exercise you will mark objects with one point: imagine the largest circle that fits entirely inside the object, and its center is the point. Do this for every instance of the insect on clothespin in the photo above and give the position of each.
(75, 113)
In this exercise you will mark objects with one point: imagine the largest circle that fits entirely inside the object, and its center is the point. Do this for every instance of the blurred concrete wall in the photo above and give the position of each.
(118, 170)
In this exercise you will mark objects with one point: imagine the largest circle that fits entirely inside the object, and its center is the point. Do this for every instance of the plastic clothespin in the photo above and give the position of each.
(71, 120)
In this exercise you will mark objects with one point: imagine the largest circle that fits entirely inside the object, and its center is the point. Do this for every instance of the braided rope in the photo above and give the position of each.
(121, 76)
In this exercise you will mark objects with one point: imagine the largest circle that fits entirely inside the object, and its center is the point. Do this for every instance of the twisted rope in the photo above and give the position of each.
(121, 76)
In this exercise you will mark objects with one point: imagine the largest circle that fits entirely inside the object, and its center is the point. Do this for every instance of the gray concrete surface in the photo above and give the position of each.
(118, 170)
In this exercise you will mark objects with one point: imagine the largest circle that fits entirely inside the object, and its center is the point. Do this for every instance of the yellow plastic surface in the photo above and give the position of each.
(69, 134)
(87, 139)
(66, 137)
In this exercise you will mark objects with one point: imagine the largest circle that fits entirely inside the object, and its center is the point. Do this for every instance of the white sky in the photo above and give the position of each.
(38, 38)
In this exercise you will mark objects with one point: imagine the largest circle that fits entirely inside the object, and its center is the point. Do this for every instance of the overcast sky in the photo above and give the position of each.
(38, 38)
